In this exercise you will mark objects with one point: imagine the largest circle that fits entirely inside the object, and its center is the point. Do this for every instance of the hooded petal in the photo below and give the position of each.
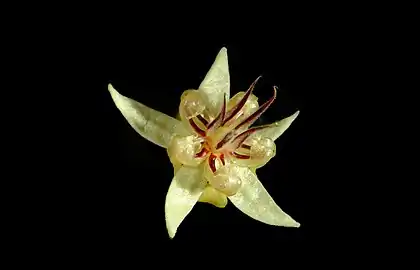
(153, 125)
(216, 83)
(184, 192)
(254, 200)
(276, 129)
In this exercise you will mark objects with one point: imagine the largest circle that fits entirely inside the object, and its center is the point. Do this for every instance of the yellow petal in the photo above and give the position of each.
(276, 129)
(152, 125)
(254, 200)
(184, 191)
(212, 196)
(216, 83)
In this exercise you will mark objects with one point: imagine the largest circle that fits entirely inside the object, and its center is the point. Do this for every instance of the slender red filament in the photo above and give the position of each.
(225, 140)
(232, 112)
(197, 128)
(222, 159)
(253, 117)
(245, 146)
(202, 120)
(240, 156)
(248, 121)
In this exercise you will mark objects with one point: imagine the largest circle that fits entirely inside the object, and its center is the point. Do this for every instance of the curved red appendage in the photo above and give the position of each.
(245, 146)
(222, 159)
(248, 121)
(240, 156)
(197, 128)
(202, 120)
(232, 112)
(253, 117)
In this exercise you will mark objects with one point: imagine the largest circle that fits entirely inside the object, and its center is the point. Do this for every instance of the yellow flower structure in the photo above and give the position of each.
(213, 148)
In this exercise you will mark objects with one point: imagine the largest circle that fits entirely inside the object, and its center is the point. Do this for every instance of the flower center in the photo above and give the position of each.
(224, 139)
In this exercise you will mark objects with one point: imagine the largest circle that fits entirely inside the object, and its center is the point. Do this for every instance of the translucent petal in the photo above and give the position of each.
(224, 179)
(192, 104)
(184, 150)
(214, 197)
(254, 200)
(184, 191)
(216, 83)
(262, 150)
(276, 129)
(153, 125)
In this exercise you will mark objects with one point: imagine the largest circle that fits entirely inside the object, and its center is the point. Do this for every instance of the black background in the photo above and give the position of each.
(102, 187)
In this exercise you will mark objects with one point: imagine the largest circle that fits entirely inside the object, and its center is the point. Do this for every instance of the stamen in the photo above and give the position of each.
(222, 159)
(253, 117)
(246, 146)
(202, 120)
(220, 117)
(241, 103)
(202, 153)
(248, 121)
(196, 128)
(212, 162)
(240, 156)
(238, 140)
(225, 139)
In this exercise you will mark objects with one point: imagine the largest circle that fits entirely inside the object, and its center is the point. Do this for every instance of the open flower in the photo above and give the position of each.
(213, 148)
